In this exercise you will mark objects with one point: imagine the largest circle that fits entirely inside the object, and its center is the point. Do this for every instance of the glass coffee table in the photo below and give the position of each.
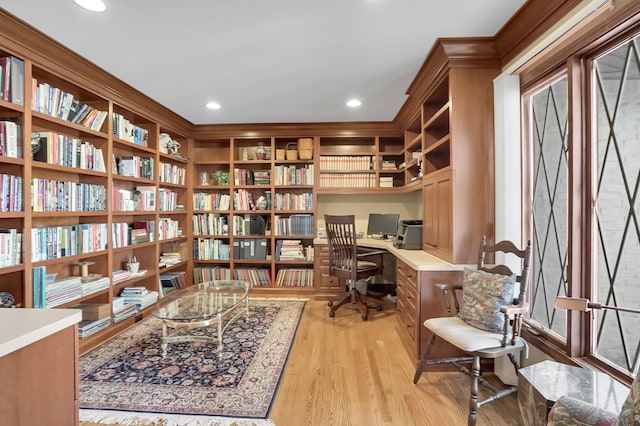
(203, 305)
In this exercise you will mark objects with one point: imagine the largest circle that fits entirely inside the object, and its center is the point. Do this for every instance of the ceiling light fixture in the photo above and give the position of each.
(92, 5)
(354, 103)
(213, 105)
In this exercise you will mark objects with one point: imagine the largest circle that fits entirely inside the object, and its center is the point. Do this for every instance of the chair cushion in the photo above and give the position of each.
(462, 335)
(482, 295)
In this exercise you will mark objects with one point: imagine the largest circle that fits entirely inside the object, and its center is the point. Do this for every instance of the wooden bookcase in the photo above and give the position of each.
(241, 223)
(69, 179)
(456, 136)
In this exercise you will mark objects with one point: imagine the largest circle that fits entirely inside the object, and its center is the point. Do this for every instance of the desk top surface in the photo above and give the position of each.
(417, 259)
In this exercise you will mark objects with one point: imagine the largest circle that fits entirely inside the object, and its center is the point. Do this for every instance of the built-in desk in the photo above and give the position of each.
(416, 275)
(39, 366)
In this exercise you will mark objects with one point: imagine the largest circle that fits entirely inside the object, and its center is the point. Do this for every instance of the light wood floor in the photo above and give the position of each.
(345, 371)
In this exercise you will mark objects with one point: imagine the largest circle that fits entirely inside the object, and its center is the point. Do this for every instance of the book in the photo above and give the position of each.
(139, 236)
(5, 65)
(17, 81)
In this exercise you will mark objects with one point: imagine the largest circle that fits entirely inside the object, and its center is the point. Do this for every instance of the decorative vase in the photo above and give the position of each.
(261, 153)
(204, 179)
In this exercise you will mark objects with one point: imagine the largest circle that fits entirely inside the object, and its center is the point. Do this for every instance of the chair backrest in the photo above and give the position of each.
(507, 247)
(341, 236)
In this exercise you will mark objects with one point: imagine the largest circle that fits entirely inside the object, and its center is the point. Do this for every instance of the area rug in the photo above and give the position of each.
(129, 373)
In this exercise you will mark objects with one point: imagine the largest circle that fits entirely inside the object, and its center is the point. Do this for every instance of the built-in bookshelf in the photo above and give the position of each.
(244, 203)
(96, 175)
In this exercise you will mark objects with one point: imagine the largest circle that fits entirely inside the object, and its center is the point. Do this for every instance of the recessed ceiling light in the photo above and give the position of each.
(92, 5)
(213, 105)
(354, 103)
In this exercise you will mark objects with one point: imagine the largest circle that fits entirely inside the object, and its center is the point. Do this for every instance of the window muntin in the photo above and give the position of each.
(616, 93)
(548, 145)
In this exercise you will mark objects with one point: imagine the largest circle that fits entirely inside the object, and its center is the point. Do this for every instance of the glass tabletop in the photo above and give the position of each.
(206, 300)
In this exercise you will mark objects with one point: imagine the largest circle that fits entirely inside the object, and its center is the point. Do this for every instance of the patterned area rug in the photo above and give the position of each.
(129, 373)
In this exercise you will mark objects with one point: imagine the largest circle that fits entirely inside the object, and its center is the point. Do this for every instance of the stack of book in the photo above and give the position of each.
(172, 281)
(120, 275)
(386, 181)
(88, 327)
(49, 295)
(95, 317)
(126, 311)
(168, 259)
(94, 286)
(261, 177)
(388, 165)
(139, 296)
(289, 250)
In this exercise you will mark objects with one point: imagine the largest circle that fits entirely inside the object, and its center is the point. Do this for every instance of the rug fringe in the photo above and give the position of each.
(129, 418)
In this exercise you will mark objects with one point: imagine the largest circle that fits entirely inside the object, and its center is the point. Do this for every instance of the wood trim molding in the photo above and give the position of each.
(606, 22)
(446, 53)
(342, 129)
(530, 22)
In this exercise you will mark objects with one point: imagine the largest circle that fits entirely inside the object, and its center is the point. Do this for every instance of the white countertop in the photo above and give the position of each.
(21, 327)
(417, 259)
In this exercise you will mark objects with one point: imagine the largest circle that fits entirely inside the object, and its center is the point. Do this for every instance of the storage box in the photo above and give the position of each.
(93, 311)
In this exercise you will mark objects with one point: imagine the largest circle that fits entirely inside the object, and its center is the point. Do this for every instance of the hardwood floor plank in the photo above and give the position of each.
(345, 371)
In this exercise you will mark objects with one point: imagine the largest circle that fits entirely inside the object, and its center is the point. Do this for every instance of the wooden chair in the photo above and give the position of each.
(350, 266)
(472, 332)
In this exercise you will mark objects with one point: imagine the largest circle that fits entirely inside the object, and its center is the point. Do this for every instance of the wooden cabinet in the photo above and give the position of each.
(455, 86)
(39, 367)
(408, 305)
(419, 300)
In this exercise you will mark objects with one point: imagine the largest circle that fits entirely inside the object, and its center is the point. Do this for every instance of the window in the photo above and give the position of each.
(548, 133)
(585, 193)
(616, 89)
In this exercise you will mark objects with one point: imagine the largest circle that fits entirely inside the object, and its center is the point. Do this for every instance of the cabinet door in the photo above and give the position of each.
(429, 205)
(437, 223)
(443, 195)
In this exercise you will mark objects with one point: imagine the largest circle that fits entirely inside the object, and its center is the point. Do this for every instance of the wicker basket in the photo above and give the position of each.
(305, 148)
(292, 151)
(280, 154)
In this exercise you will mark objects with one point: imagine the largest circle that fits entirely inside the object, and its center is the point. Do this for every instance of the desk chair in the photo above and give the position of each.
(350, 266)
(487, 323)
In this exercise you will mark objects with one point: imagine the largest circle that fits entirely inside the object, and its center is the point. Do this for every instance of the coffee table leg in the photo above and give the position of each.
(164, 339)
(219, 333)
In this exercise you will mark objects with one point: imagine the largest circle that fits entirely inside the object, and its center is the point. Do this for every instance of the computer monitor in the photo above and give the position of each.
(383, 225)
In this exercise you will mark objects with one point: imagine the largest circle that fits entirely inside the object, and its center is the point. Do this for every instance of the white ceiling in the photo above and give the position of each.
(266, 61)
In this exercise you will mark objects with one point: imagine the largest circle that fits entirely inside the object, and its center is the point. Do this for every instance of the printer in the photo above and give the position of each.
(409, 235)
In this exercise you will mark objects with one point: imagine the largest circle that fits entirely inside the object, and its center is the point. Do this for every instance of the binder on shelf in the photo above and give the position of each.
(16, 90)
(257, 225)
